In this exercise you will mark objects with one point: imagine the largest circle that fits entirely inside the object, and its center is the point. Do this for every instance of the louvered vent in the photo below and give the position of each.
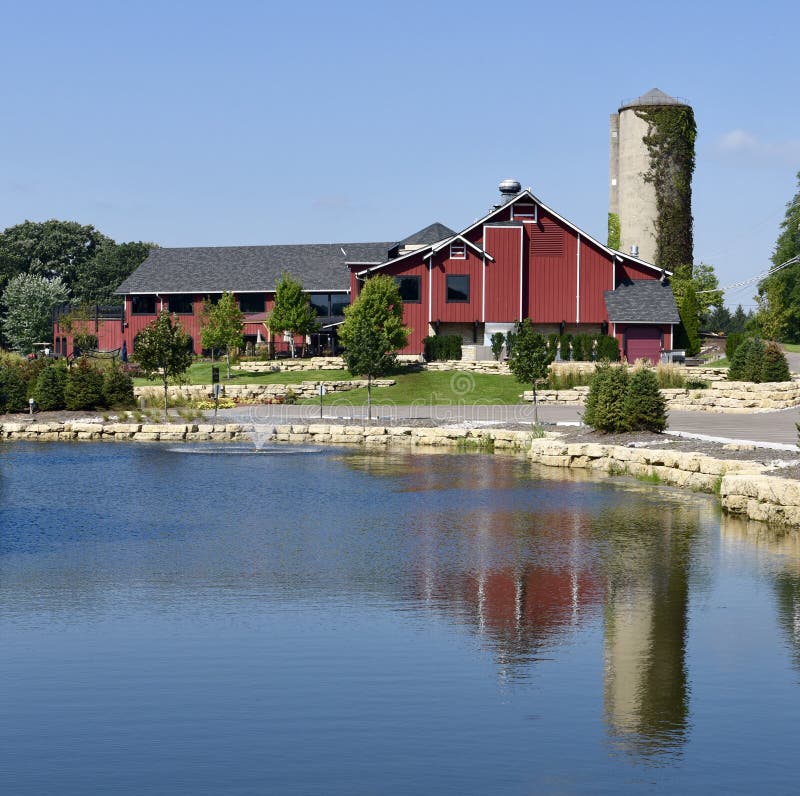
(549, 241)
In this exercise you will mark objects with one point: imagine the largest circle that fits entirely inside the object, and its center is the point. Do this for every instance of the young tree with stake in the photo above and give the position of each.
(530, 358)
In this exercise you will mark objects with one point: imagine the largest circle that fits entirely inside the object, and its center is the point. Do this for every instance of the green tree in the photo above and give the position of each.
(605, 404)
(222, 326)
(28, 303)
(774, 366)
(98, 278)
(706, 287)
(778, 314)
(747, 361)
(162, 348)
(373, 331)
(644, 406)
(530, 359)
(688, 334)
(498, 339)
(13, 384)
(292, 311)
(84, 386)
(48, 392)
(49, 249)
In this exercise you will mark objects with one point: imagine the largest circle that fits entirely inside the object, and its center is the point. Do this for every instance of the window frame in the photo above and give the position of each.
(448, 300)
(518, 216)
(418, 280)
(458, 246)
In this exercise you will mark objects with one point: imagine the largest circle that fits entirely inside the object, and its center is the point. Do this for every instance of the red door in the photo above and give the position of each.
(643, 342)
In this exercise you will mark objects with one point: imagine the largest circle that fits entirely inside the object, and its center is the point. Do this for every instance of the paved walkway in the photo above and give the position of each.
(771, 427)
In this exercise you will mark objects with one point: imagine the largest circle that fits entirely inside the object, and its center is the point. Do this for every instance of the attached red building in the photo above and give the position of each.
(522, 259)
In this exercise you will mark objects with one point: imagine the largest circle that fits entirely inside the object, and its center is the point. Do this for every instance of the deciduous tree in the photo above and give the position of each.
(292, 312)
(162, 348)
(530, 359)
(28, 303)
(222, 326)
(373, 331)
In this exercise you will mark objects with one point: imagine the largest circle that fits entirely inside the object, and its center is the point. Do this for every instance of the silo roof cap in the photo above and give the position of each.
(655, 97)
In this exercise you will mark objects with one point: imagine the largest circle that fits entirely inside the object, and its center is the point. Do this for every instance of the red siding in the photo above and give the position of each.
(503, 275)
(415, 315)
(451, 312)
(553, 268)
(597, 276)
(629, 270)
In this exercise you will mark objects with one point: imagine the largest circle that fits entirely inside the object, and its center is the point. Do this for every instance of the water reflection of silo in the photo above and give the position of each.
(646, 698)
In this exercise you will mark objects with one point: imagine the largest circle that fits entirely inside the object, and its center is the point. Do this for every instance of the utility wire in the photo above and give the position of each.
(753, 279)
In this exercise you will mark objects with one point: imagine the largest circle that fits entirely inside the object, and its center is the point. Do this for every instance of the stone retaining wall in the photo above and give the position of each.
(281, 365)
(728, 396)
(256, 392)
(745, 487)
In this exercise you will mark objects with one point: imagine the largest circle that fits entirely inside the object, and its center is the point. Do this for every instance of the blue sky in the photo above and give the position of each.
(245, 123)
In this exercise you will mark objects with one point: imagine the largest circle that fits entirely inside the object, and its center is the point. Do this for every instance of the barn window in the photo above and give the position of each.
(252, 302)
(526, 212)
(143, 305)
(457, 288)
(338, 302)
(181, 304)
(458, 251)
(321, 302)
(409, 287)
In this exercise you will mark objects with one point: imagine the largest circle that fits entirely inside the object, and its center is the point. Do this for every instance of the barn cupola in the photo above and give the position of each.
(508, 190)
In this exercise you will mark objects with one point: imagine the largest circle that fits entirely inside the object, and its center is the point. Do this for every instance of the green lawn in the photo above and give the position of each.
(412, 386)
(425, 387)
(792, 348)
(200, 373)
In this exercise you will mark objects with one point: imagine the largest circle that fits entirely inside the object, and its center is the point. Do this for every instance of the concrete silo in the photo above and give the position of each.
(650, 192)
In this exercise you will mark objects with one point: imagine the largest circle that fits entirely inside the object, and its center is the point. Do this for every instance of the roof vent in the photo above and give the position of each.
(508, 190)
(634, 250)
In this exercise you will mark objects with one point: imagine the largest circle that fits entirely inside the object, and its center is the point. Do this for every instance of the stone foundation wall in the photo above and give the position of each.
(256, 392)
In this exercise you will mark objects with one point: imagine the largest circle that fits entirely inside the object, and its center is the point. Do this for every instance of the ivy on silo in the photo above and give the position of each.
(614, 231)
(670, 142)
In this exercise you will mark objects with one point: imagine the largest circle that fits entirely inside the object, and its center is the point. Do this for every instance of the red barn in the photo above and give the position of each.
(522, 259)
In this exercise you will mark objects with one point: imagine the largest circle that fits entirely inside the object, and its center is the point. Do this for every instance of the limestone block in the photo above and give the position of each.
(343, 438)
(319, 429)
(146, 436)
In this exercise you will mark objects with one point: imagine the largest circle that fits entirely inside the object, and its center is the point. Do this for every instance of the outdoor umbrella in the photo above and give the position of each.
(123, 354)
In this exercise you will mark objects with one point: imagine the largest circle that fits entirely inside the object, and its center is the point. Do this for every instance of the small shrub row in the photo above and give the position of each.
(755, 361)
(587, 347)
(54, 386)
(440, 347)
(619, 401)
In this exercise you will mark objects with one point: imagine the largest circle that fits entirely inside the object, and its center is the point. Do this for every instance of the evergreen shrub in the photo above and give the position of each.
(48, 392)
(13, 385)
(774, 366)
(747, 361)
(84, 387)
(441, 347)
(117, 388)
(607, 348)
(644, 407)
(732, 342)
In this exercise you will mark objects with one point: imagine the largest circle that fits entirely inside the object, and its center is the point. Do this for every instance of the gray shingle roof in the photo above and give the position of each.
(433, 233)
(642, 301)
(214, 269)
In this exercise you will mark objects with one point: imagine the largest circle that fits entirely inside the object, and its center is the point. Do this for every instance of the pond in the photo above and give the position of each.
(211, 619)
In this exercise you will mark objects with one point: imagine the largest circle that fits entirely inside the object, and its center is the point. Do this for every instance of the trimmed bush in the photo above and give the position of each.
(498, 340)
(565, 347)
(13, 385)
(732, 342)
(48, 392)
(607, 348)
(644, 406)
(747, 361)
(441, 347)
(774, 366)
(582, 345)
(117, 388)
(84, 387)
(604, 408)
